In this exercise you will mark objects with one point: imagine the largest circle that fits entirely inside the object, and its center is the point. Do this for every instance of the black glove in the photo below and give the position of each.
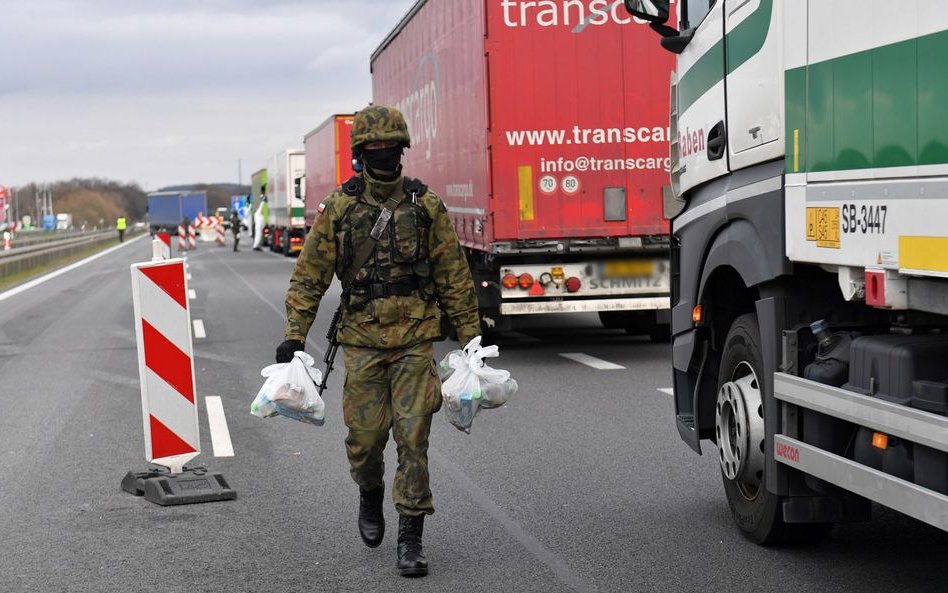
(286, 349)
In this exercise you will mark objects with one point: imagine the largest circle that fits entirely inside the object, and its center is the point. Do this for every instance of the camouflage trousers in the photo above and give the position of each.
(395, 390)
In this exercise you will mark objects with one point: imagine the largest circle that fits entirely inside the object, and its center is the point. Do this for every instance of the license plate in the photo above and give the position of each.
(822, 226)
(628, 269)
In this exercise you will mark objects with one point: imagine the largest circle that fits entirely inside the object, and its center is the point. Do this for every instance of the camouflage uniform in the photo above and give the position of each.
(391, 377)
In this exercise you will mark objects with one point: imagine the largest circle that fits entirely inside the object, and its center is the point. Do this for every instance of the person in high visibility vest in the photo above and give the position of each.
(121, 225)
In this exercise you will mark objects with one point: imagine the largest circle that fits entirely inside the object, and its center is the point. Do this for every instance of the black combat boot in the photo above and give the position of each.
(371, 520)
(411, 557)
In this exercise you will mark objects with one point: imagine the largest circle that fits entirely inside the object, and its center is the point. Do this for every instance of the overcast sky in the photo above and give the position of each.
(165, 92)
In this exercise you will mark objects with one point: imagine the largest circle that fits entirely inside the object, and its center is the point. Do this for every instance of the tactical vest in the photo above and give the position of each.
(399, 264)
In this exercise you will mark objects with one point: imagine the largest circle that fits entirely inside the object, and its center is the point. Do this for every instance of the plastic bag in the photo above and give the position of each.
(469, 384)
(290, 390)
(444, 367)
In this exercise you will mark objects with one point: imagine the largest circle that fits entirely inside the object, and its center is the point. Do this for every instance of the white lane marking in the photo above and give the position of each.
(591, 361)
(37, 281)
(667, 390)
(189, 275)
(220, 435)
(191, 294)
(199, 332)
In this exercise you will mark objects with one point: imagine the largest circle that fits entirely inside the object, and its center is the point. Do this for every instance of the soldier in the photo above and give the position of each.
(235, 227)
(390, 241)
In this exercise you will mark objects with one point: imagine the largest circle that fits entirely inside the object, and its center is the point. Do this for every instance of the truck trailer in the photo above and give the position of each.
(809, 173)
(328, 160)
(168, 209)
(545, 132)
(63, 221)
(286, 193)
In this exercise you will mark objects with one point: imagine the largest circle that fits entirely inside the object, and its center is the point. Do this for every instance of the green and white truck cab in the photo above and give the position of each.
(809, 204)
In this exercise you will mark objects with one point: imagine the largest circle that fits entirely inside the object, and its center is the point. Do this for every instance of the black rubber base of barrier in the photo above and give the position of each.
(191, 486)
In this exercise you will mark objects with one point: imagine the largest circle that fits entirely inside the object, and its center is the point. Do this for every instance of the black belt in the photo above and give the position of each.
(379, 290)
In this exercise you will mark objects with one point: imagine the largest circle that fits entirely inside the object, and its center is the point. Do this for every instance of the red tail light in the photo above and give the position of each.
(509, 281)
(573, 284)
(525, 280)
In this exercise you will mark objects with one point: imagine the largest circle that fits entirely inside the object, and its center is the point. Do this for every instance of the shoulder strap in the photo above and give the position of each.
(354, 186)
(414, 187)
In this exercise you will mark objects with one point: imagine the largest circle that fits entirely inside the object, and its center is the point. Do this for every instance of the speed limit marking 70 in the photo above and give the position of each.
(570, 184)
(547, 184)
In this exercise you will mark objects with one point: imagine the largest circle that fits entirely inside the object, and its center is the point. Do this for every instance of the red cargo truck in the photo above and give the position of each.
(328, 160)
(544, 128)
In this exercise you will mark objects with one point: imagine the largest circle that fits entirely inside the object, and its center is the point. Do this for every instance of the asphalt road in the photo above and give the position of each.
(579, 484)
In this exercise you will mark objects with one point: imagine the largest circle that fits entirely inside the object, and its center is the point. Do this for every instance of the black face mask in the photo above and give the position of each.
(386, 160)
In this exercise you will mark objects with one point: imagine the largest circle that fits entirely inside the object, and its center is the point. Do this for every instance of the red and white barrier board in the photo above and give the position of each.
(165, 363)
(162, 246)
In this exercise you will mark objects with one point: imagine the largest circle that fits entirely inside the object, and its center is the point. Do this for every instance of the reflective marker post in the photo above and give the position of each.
(161, 247)
(169, 404)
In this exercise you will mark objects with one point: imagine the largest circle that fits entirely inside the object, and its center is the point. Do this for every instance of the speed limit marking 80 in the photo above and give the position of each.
(570, 184)
(547, 184)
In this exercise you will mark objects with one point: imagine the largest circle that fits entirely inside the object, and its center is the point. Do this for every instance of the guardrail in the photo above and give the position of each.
(26, 257)
(28, 238)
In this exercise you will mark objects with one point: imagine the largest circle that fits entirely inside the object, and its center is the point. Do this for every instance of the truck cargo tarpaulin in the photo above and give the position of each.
(328, 160)
(542, 114)
(544, 128)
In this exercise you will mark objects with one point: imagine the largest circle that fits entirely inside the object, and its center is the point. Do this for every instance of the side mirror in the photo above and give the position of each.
(653, 11)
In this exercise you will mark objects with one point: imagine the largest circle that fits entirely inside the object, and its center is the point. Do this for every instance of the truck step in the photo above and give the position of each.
(688, 420)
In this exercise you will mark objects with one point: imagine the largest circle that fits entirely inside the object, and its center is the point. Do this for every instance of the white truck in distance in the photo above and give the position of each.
(809, 194)
(286, 192)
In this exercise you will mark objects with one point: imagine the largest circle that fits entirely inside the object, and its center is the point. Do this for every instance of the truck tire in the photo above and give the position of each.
(740, 431)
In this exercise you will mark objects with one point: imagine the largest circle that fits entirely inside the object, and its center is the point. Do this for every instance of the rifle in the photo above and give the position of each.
(330, 357)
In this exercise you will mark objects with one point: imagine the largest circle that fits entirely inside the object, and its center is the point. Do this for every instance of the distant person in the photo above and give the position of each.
(183, 231)
(246, 213)
(235, 227)
(259, 222)
(121, 225)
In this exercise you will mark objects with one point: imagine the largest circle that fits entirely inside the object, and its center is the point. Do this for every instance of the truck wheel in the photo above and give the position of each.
(741, 432)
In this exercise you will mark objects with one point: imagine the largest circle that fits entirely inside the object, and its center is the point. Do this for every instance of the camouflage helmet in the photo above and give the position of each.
(377, 123)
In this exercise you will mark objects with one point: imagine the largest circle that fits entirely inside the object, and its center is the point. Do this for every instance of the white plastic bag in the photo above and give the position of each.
(469, 384)
(290, 390)
(444, 367)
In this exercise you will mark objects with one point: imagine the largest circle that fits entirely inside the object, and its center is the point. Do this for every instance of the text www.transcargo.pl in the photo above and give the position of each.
(579, 135)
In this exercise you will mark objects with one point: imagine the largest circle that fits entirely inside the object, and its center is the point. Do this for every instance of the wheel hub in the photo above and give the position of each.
(739, 427)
